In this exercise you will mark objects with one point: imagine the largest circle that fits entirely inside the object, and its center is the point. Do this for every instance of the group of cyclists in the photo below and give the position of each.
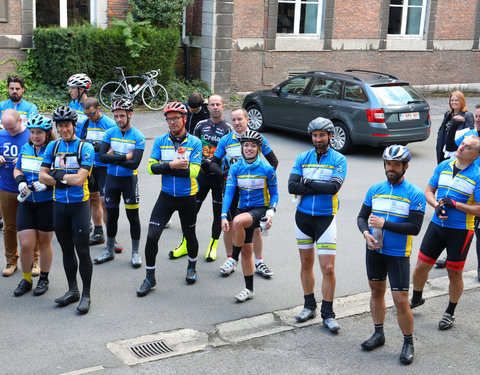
(56, 180)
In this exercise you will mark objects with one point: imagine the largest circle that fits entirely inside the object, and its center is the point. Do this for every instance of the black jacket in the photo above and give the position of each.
(447, 130)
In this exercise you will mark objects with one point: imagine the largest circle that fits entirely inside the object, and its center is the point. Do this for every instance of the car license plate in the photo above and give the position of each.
(410, 116)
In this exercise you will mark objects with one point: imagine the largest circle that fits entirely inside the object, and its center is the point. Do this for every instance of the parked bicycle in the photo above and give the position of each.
(154, 95)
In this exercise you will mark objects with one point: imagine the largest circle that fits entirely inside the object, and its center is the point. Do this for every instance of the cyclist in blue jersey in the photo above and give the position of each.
(316, 178)
(122, 150)
(209, 131)
(16, 88)
(391, 215)
(12, 139)
(228, 152)
(177, 156)
(79, 84)
(93, 131)
(257, 183)
(66, 166)
(35, 214)
(454, 192)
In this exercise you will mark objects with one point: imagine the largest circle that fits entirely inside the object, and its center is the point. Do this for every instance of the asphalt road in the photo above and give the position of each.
(40, 338)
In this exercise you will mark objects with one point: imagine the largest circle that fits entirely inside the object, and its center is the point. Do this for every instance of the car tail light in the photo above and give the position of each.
(375, 115)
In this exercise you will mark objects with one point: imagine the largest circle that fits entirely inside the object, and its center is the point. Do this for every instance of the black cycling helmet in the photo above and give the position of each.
(320, 123)
(65, 114)
(251, 136)
(397, 153)
(122, 103)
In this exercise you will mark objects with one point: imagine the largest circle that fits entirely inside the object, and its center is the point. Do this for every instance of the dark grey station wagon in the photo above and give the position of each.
(367, 108)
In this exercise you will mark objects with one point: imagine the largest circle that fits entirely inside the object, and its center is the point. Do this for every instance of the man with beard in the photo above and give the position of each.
(316, 177)
(16, 88)
(393, 208)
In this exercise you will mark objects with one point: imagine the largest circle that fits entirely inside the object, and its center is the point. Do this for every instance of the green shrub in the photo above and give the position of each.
(61, 52)
(179, 89)
(159, 13)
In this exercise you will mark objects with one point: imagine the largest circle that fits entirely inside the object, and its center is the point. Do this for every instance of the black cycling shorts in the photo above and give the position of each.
(319, 231)
(256, 213)
(35, 215)
(127, 186)
(397, 268)
(437, 238)
(99, 175)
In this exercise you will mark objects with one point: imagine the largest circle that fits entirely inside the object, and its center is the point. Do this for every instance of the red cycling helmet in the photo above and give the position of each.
(175, 107)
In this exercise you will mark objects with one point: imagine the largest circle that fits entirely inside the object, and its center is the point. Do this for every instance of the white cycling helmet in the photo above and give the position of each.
(80, 80)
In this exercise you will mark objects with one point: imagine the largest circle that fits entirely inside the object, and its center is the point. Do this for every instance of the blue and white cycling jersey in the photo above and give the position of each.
(256, 182)
(66, 160)
(464, 188)
(95, 132)
(24, 108)
(230, 146)
(81, 117)
(394, 203)
(29, 163)
(163, 151)
(122, 144)
(331, 165)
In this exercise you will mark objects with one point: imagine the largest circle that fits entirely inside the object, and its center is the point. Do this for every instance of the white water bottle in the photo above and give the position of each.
(22, 196)
(135, 89)
(181, 153)
(377, 233)
(263, 226)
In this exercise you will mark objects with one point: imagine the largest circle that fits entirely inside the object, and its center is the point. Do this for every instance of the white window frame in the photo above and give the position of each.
(403, 28)
(62, 4)
(296, 21)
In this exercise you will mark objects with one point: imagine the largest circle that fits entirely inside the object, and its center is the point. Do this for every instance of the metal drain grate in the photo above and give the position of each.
(150, 349)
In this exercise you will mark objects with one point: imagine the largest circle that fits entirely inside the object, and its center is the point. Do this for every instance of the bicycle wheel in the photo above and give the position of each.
(111, 89)
(155, 96)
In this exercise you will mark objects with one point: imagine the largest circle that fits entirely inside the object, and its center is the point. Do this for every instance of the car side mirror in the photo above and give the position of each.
(276, 90)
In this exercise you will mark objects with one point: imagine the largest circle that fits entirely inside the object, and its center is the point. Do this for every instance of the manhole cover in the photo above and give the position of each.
(150, 349)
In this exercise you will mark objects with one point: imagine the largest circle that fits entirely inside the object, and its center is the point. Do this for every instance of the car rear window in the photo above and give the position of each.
(396, 95)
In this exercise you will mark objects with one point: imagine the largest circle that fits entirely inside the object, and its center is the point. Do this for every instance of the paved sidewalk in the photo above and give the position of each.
(313, 350)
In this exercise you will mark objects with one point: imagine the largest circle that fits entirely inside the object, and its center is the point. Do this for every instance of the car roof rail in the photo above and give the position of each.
(351, 76)
(371, 72)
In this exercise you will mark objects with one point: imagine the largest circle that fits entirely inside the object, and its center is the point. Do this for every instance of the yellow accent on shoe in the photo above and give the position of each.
(181, 250)
(28, 276)
(212, 250)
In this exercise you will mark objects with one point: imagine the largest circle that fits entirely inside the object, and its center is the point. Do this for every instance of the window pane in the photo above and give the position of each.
(295, 86)
(396, 2)
(395, 95)
(413, 20)
(415, 2)
(286, 15)
(47, 13)
(327, 88)
(78, 10)
(395, 20)
(308, 18)
(354, 93)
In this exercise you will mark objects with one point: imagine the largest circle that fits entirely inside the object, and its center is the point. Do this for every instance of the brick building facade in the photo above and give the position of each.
(244, 45)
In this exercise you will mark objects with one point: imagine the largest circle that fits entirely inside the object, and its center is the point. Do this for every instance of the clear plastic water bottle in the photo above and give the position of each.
(22, 196)
(377, 233)
(263, 226)
(181, 153)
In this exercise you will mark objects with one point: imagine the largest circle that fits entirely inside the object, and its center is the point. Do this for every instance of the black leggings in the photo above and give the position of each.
(115, 187)
(72, 228)
(477, 235)
(165, 206)
(214, 183)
